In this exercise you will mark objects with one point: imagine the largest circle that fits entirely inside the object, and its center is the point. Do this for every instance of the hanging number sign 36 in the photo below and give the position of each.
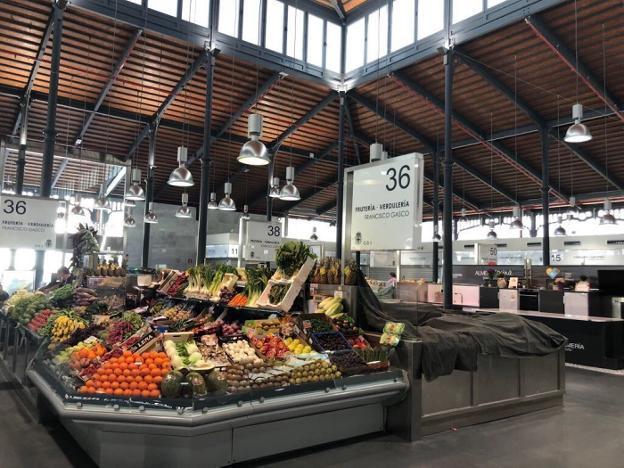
(27, 222)
(386, 207)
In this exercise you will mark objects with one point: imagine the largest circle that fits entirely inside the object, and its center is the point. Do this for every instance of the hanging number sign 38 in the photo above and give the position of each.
(386, 204)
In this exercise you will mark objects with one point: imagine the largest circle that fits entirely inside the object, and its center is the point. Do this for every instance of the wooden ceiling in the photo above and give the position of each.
(515, 56)
(347, 5)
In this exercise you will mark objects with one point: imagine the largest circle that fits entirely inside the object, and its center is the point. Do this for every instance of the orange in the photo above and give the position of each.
(124, 385)
(145, 393)
(100, 390)
(158, 361)
(104, 377)
(121, 378)
(134, 372)
(91, 390)
(127, 353)
(164, 372)
(136, 393)
(152, 386)
(83, 389)
(154, 394)
(118, 392)
(106, 384)
(114, 384)
(148, 378)
(152, 366)
(117, 371)
(123, 365)
(129, 360)
(142, 386)
(133, 385)
(127, 372)
(89, 383)
(138, 378)
(155, 373)
(127, 392)
(144, 371)
(158, 379)
(149, 361)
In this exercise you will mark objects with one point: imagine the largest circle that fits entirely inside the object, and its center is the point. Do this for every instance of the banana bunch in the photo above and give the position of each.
(63, 328)
(332, 307)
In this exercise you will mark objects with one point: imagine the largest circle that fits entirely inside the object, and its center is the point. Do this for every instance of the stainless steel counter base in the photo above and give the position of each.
(500, 388)
(134, 437)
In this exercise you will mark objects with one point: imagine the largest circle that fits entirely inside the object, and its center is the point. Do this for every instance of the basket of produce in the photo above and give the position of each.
(358, 342)
(346, 326)
(261, 327)
(270, 347)
(324, 342)
(348, 362)
(241, 352)
(279, 295)
(184, 353)
(315, 323)
(331, 306)
(376, 358)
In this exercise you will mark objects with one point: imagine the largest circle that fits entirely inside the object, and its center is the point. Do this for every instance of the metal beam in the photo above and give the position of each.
(302, 121)
(114, 182)
(471, 129)
(109, 84)
(368, 104)
(539, 121)
(482, 178)
(339, 9)
(340, 174)
(356, 147)
(244, 107)
(567, 56)
(155, 120)
(59, 172)
(43, 45)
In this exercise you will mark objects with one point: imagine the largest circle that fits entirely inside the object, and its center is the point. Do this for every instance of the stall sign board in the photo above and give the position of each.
(386, 208)
(263, 238)
(27, 222)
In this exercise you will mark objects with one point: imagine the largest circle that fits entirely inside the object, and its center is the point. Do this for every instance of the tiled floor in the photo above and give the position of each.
(587, 432)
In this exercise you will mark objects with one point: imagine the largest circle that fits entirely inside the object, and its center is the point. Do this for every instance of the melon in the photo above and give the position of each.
(197, 383)
(170, 385)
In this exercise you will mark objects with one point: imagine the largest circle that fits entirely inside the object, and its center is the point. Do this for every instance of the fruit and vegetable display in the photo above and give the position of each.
(332, 307)
(217, 338)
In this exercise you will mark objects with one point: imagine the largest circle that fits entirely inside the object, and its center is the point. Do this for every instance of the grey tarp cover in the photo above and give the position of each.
(453, 340)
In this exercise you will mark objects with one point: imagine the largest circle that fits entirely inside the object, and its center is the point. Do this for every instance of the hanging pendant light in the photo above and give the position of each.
(314, 236)
(492, 233)
(135, 191)
(184, 211)
(226, 203)
(129, 220)
(517, 221)
(376, 152)
(607, 217)
(150, 216)
(275, 188)
(560, 230)
(289, 191)
(577, 132)
(245, 212)
(102, 203)
(77, 209)
(254, 152)
(181, 177)
(212, 204)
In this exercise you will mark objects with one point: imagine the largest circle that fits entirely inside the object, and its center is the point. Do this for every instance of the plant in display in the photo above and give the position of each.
(84, 242)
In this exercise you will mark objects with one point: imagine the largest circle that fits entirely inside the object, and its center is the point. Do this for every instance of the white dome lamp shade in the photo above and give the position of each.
(254, 152)
(289, 191)
(212, 204)
(577, 132)
(226, 203)
(150, 216)
(181, 176)
(560, 230)
(184, 211)
(135, 191)
(102, 203)
(77, 210)
(517, 219)
(275, 188)
(492, 233)
(607, 216)
(129, 220)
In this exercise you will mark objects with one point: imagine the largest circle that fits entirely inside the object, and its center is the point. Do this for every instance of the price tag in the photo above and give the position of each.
(27, 222)
(338, 293)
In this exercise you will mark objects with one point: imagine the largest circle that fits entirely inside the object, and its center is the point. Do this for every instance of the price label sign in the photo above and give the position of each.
(27, 222)
(386, 207)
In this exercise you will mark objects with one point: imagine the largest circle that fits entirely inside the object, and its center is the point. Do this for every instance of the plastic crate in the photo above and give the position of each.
(317, 342)
(288, 300)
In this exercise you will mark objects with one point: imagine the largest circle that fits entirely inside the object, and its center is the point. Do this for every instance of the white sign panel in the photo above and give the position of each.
(262, 240)
(386, 210)
(27, 222)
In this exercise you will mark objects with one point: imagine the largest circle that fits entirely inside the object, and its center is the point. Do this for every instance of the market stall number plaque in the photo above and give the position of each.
(386, 208)
(262, 240)
(27, 222)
